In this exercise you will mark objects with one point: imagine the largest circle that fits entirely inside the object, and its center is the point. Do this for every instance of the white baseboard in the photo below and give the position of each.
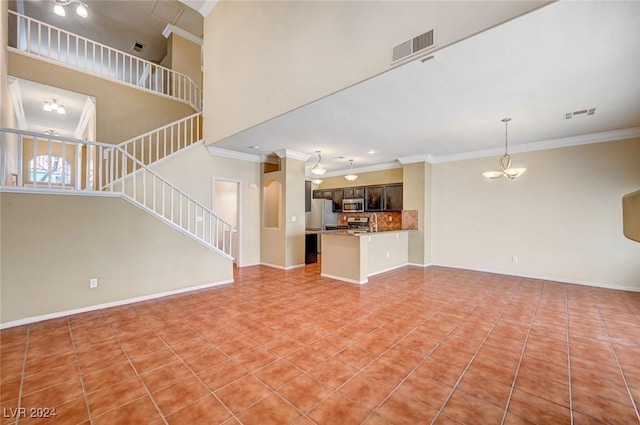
(548, 278)
(275, 266)
(344, 279)
(387, 270)
(420, 265)
(56, 315)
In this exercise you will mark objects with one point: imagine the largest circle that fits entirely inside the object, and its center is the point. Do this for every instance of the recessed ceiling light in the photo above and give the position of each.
(254, 147)
(371, 151)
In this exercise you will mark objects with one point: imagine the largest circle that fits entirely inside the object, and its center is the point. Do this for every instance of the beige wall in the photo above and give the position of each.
(122, 112)
(283, 246)
(272, 239)
(562, 218)
(393, 175)
(185, 57)
(192, 170)
(53, 244)
(294, 210)
(417, 196)
(265, 58)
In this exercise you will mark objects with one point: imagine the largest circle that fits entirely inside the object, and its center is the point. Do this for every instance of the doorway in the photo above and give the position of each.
(226, 204)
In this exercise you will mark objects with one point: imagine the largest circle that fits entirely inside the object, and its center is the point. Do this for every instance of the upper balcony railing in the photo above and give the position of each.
(162, 142)
(37, 38)
(41, 163)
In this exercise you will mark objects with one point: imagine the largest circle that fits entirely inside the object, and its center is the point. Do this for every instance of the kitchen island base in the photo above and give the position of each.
(353, 257)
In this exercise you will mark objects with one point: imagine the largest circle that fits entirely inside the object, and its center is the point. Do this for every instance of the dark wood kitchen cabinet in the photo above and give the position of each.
(338, 195)
(373, 198)
(393, 197)
(323, 194)
(353, 192)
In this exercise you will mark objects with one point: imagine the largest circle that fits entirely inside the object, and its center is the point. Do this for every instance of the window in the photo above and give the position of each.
(49, 169)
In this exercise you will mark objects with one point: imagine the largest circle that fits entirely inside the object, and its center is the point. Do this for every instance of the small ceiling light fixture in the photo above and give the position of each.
(505, 161)
(53, 106)
(81, 8)
(317, 169)
(52, 133)
(316, 181)
(351, 177)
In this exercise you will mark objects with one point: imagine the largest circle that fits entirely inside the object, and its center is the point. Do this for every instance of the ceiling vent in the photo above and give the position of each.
(417, 44)
(586, 112)
(138, 47)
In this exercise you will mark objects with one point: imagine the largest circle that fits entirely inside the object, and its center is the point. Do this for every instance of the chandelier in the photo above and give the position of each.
(53, 106)
(317, 169)
(351, 177)
(505, 161)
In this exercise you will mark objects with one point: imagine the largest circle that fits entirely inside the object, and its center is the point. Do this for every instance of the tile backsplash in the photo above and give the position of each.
(394, 220)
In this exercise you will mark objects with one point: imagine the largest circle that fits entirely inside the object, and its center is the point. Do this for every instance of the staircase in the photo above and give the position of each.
(62, 165)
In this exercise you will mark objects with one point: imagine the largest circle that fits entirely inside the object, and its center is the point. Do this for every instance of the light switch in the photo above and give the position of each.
(294, 218)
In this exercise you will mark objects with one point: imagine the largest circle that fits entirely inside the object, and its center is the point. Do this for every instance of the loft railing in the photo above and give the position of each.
(37, 38)
(42, 163)
(164, 141)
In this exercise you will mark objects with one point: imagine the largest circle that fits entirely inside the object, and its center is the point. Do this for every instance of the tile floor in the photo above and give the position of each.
(412, 346)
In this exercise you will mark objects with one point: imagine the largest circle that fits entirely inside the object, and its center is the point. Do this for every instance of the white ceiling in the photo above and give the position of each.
(31, 96)
(564, 57)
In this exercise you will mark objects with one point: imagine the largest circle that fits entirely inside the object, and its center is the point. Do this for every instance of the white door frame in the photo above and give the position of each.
(214, 179)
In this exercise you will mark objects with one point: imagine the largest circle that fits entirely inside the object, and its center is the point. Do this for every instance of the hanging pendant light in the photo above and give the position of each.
(505, 161)
(317, 169)
(316, 181)
(351, 177)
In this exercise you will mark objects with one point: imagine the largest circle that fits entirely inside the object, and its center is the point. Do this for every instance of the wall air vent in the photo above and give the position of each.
(587, 112)
(138, 47)
(417, 44)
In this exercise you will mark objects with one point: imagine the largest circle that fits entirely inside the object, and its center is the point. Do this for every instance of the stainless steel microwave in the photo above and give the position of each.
(353, 205)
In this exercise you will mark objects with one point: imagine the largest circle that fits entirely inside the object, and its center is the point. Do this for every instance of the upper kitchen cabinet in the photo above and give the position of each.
(373, 198)
(353, 192)
(338, 196)
(393, 197)
(323, 194)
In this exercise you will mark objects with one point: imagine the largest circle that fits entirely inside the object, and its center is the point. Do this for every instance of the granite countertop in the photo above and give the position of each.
(361, 232)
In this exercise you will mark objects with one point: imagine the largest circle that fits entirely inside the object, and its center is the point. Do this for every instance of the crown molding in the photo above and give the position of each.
(288, 153)
(415, 158)
(169, 29)
(225, 153)
(565, 142)
(367, 169)
(204, 7)
(16, 97)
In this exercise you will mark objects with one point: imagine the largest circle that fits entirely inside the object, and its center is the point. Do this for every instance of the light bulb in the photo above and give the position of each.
(61, 110)
(59, 10)
(81, 10)
(47, 106)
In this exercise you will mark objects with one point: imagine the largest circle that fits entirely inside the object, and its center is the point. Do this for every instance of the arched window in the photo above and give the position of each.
(49, 169)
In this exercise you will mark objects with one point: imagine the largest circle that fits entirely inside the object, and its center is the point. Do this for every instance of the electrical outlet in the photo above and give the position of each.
(387, 254)
(390, 218)
(93, 283)
(514, 258)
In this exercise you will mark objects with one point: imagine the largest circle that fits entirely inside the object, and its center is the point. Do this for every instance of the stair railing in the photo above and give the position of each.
(36, 162)
(166, 140)
(33, 37)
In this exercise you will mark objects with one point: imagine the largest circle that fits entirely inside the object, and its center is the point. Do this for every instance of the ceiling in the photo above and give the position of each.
(564, 57)
(31, 96)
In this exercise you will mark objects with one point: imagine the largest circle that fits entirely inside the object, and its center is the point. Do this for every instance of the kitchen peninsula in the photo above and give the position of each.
(354, 256)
